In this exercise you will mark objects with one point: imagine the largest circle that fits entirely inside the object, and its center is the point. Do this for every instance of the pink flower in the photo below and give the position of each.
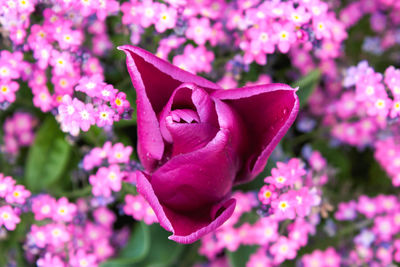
(259, 259)
(7, 184)
(265, 230)
(283, 249)
(67, 111)
(106, 180)
(68, 38)
(139, 208)
(7, 91)
(119, 154)
(305, 200)
(284, 206)
(38, 236)
(299, 231)
(104, 216)
(82, 259)
(50, 260)
(63, 211)
(61, 62)
(120, 103)
(130, 11)
(58, 234)
(18, 194)
(284, 36)
(103, 249)
(84, 115)
(346, 211)
(267, 194)
(166, 18)
(199, 30)
(228, 238)
(42, 98)
(90, 85)
(43, 206)
(104, 116)
(148, 11)
(367, 206)
(384, 228)
(108, 93)
(327, 258)
(8, 218)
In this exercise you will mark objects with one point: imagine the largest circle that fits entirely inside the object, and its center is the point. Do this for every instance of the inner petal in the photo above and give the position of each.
(183, 116)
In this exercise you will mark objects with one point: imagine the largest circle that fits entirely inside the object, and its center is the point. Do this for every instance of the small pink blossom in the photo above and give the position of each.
(64, 211)
(8, 218)
(18, 194)
(43, 206)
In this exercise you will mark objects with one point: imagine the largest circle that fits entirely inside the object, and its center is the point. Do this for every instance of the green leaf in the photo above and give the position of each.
(47, 157)
(145, 239)
(307, 85)
(240, 257)
(137, 248)
(164, 252)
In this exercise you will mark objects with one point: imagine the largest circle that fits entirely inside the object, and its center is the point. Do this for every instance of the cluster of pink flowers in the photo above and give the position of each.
(292, 194)
(319, 258)
(12, 68)
(112, 159)
(378, 221)
(66, 236)
(13, 200)
(56, 44)
(286, 195)
(256, 28)
(387, 153)
(137, 207)
(384, 21)
(18, 132)
(368, 100)
(107, 105)
(365, 112)
(287, 25)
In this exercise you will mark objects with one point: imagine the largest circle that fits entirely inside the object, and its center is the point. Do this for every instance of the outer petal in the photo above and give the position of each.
(267, 112)
(154, 80)
(198, 179)
(186, 227)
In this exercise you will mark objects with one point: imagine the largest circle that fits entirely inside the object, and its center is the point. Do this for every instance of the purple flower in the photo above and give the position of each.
(196, 140)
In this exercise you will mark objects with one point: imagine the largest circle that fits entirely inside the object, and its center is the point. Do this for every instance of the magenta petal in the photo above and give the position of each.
(267, 111)
(186, 227)
(150, 142)
(187, 137)
(154, 80)
(181, 96)
(204, 106)
(229, 119)
(197, 179)
(159, 77)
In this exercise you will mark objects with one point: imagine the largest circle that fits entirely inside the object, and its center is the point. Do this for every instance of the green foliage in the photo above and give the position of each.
(136, 249)
(240, 257)
(148, 246)
(47, 157)
(307, 85)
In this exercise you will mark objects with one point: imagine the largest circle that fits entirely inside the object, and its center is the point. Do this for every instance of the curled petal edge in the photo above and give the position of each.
(250, 91)
(145, 188)
(262, 159)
